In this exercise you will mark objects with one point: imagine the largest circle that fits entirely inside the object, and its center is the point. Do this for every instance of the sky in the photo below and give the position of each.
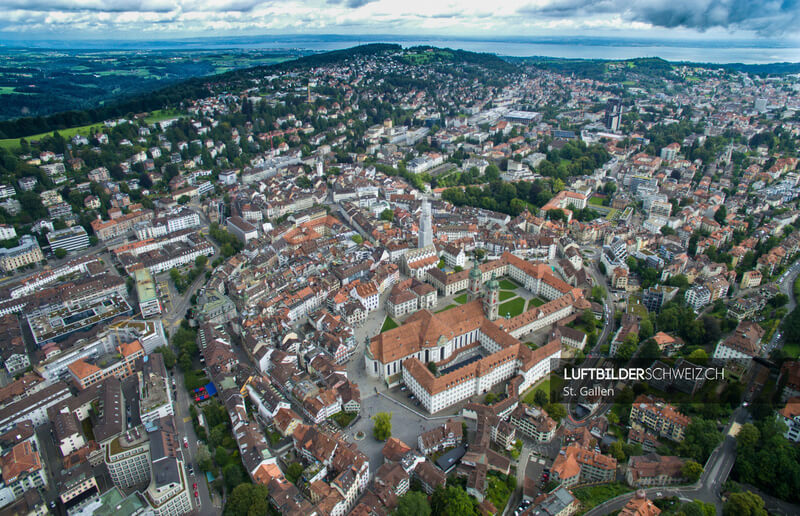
(164, 19)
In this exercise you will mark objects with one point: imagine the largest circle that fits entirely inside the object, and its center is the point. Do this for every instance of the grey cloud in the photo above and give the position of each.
(774, 16)
(115, 6)
(354, 4)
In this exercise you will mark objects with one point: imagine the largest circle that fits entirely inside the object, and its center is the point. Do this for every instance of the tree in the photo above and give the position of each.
(432, 368)
(541, 398)
(184, 199)
(721, 215)
(387, 215)
(233, 475)
(247, 500)
(744, 504)
(60, 253)
(293, 472)
(698, 356)
(383, 426)
(169, 356)
(452, 501)
(616, 451)
(748, 436)
(645, 329)
(691, 471)
(556, 411)
(413, 503)
(200, 261)
(701, 437)
(357, 239)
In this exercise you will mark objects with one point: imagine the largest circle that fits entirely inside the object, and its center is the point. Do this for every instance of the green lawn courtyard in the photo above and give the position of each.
(460, 299)
(512, 308)
(388, 324)
(507, 284)
(506, 295)
(544, 385)
(534, 302)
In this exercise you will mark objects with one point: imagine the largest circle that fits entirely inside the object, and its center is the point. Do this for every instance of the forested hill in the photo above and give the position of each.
(190, 89)
(605, 69)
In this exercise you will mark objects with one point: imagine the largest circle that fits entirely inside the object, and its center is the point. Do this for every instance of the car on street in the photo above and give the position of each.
(194, 486)
(196, 495)
(185, 442)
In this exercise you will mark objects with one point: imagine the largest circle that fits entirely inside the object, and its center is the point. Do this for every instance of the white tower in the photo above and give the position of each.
(425, 226)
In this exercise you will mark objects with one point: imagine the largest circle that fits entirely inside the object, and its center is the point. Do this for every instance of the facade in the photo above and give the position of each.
(242, 229)
(26, 253)
(790, 416)
(654, 470)
(69, 239)
(425, 237)
(534, 423)
(576, 465)
(149, 304)
(697, 297)
(656, 416)
(127, 458)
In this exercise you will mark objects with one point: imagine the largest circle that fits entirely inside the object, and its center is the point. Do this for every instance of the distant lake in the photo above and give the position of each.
(715, 51)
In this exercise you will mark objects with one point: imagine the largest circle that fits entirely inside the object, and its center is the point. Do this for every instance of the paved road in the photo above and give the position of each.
(707, 489)
(184, 426)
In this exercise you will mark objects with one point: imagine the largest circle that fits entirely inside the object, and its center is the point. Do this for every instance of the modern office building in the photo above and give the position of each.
(69, 239)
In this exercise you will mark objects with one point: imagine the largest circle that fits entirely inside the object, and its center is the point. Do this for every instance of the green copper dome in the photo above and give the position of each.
(475, 273)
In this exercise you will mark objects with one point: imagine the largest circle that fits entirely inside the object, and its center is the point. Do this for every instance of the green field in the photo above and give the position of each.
(534, 302)
(460, 299)
(595, 201)
(7, 90)
(388, 324)
(513, 308)
(792, 349)
(507, 284)
(13, 143)
(161, 114)
(505, 294)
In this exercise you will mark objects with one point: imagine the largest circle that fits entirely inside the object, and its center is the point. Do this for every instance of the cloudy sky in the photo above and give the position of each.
(161, 19)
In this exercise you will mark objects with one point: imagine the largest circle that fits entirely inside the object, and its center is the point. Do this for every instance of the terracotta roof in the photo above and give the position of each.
(22, 459)
(792, 408)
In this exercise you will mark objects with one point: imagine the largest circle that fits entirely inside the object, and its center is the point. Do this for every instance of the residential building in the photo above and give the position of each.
(654, 415)
(69, 239)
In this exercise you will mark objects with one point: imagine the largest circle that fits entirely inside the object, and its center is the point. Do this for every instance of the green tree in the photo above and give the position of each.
(60, 253)
(721, 214)
(556, 411)
(645, 329)
(432, 368)
(200, 261)
(413, 503)
(184, 199)
(698, 356)
(541, 398)
(169, 356)
(701, 437)
(247, 500)
(387, 215)
(293, 472)
(452, 501)
(357, 239)
(747, 437)
(616, 451)
(691, 470)
(383, 426)
(744, 504)
(233, 475)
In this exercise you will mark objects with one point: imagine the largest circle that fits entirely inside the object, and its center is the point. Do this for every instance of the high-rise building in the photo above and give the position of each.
(613, 117)
(425, 226)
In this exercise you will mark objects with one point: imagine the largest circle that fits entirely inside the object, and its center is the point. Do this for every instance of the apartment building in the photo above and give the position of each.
(576, 465)
(26, 253)
(656, 416)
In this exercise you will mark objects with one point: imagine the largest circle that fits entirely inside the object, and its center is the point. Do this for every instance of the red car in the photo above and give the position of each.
(196, 495)
(185, 442)
(194, 486)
